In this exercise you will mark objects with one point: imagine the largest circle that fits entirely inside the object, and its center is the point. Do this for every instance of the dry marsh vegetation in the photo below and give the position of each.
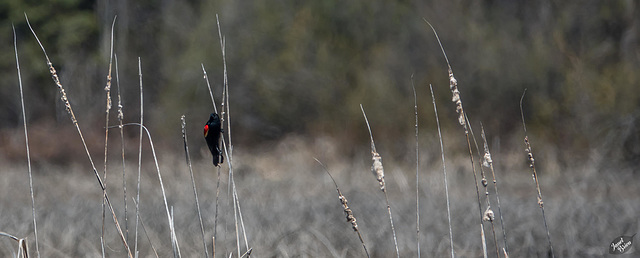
(275, 201)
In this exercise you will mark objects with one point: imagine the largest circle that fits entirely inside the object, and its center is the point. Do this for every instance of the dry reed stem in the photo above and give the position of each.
(534, 174)
(137, 200)
(488, 162)
(415, 105)
(444, 170)
(378, 171)
(453, 86)
(247, 253)
(376, 168)
(67, 104)
(215, 220)
(174, 244)
(193, 182)
(26, 140)
(343, 200)
(225, 112)
(107, 90)
(23, 249)
(488, 214)
(145, 231)
(124, 178)
(164, 195)
(236, 201)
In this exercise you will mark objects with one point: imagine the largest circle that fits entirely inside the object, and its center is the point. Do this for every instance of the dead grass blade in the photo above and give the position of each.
(444, 170)
(67, 104)
(26, 139)
(193, 182)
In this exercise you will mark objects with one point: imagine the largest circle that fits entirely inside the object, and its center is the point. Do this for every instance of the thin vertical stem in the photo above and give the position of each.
(415, 105)
(107, 90)
(193, 183)
(535, 174)
(139, 154)
(26, 140)
(215, 220)
(67, 104)
(378, 171)
(124, 178)
(457, 100)
(489, 161)
(444, 170)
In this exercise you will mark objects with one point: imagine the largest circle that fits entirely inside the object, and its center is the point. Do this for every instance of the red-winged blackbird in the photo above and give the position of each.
(212, 131)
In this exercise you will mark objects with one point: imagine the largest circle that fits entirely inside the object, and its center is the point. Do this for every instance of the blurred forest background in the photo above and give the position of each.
(302, 68)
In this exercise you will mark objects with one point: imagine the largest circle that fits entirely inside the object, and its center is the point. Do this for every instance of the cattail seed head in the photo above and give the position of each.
(488, 215)
(377, 169)
(350, 218)
(487, 159)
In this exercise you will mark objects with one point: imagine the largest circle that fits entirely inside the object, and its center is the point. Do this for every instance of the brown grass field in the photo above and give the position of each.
(290, 208)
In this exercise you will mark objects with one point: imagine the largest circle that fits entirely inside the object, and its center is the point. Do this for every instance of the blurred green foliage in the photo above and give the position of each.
(305, 66)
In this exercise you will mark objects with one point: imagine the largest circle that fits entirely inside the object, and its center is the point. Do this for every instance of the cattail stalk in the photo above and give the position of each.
(67, 104)
(124, 178)
(488, 214)
(343, 200)
(378, 171)
(453, 86)
(534, 174)
(488, 162)
(107, 90)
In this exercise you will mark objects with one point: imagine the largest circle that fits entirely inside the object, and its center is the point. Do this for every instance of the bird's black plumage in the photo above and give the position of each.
(212, 132)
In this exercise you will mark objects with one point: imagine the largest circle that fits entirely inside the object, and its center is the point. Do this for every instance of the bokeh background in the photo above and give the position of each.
(298, 71)
(303, 68)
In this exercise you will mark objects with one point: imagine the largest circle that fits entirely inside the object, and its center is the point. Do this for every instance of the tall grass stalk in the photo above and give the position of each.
(236, 202)
(124, 178)
(415, 105)
(164, 195)
(137, 200)
(378, 170)
(193, 182)
(343, 200)
(145, 231)
(453, 86)
(23, 249)
(107, 90)
(174, 244)
(444, 170)
(488, 162)
(67, 104)
(488, 214)
(26, 142)
(215, 219)
(532, 165)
